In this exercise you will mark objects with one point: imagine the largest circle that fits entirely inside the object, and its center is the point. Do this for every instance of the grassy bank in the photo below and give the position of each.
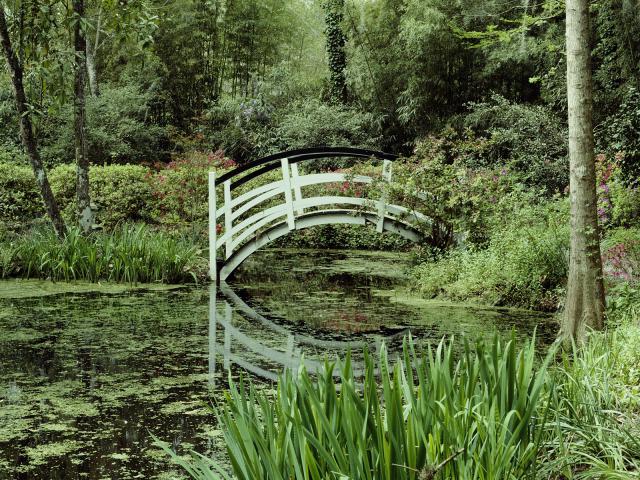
(130, 253)
(496, 411)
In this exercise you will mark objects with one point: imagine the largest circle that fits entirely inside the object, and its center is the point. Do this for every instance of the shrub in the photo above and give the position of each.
(312, 123)
(621, 133)
(530, 139)
(117, 129)
(249, 129)
(618, 201)
(524, 264)
(180, 190)
(19, 194)
(119, 193)
(623, 304)
(621, 254)
(238, 129)
(457, 199)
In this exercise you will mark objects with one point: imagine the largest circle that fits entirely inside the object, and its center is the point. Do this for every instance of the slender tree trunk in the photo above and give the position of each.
(92, 72)
(91, 51)
(85, 215)
(585, 292)
(26, 129)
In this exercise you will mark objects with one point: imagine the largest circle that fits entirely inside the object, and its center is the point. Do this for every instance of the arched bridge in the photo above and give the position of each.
(248, 219)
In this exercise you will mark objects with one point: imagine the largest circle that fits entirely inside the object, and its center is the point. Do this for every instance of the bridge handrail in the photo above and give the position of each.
(241, 221)
(272, 162)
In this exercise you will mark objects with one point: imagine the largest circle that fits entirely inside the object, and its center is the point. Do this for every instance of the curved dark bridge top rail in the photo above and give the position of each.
(251, 223)
(272, 162)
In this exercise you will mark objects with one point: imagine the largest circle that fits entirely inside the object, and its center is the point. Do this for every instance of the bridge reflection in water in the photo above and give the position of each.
(269, 348)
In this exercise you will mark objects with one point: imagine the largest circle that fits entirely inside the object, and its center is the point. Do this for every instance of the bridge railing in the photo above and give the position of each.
(243, 216)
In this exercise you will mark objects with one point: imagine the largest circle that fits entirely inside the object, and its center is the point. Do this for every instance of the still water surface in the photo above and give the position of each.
(88, 374)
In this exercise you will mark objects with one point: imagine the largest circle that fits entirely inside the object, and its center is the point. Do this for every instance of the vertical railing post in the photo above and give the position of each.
(228, 221)
(296, 187)
(286, 177)
(213, 227)
(382, 202)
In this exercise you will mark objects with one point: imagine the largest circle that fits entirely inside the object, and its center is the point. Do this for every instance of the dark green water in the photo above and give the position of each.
(88, 374)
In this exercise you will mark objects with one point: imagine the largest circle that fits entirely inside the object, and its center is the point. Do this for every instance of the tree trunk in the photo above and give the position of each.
(26, 129)
(585, 292)
(92, 49)
(336, 41)
(85, 215)
(92, 72)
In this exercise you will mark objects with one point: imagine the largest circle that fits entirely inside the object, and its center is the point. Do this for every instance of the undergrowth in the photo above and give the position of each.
(130, 253)
(494, 411)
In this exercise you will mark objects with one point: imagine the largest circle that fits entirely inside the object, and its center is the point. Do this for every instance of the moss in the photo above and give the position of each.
(41, 454)
(122, 457)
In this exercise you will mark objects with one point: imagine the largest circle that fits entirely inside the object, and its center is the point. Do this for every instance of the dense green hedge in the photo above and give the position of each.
(19, 195)
(119, 193)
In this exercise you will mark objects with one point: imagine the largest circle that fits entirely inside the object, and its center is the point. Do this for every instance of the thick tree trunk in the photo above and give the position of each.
(26, 129)
(585, 292)
(336, 41)
(85, 215)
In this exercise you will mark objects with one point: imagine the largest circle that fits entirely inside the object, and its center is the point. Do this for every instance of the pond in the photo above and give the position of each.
(88, 374)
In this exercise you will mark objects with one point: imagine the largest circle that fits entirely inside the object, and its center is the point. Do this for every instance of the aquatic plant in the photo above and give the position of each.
(433, 416)
(131, 253)
(490, 411)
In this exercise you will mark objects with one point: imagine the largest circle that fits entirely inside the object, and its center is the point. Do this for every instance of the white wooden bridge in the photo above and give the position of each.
(250, 220)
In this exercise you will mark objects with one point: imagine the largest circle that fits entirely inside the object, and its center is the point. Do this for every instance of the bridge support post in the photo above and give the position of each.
(286, 176)
(296, 186)
(382, 203)
(228, 220)
(213, 227)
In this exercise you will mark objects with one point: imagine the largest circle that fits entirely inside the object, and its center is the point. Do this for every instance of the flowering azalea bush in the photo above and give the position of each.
(458, 199)
(621, 254)
(180, 189)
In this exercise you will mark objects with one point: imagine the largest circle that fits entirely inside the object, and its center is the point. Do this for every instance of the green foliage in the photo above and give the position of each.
(242, 129)
(119, 193)
(524, 264)
(616, 26)
(129, 254)
(246, 130)
(345, 236)
(458, 200)
(530, 140)
(623, 303)
(117, 129)
(491, 411)
(625, 200)
(19, 194)
(312, 123)
(336, 40)
(434, 416)
(621, 133)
